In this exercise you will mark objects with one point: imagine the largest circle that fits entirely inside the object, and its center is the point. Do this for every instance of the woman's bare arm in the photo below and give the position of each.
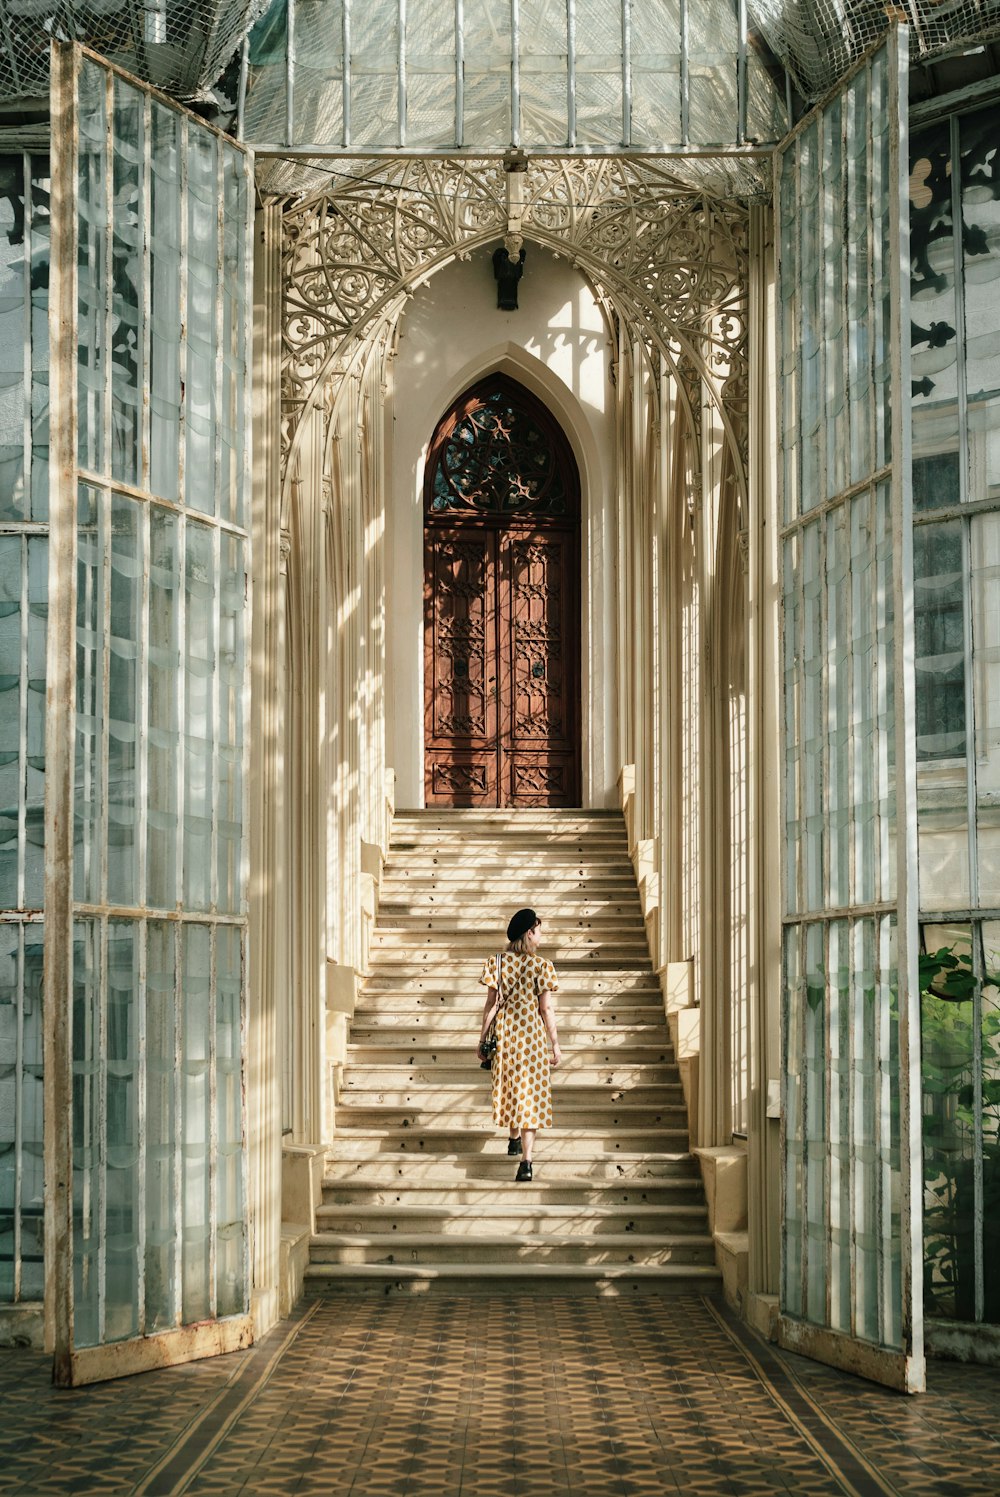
(547, 1010)
(489, 1008)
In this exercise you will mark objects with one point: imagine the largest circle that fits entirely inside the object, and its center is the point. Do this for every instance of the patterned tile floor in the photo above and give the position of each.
(479, 1396)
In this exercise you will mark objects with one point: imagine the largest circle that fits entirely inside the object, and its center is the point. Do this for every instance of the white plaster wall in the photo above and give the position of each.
(557, 344)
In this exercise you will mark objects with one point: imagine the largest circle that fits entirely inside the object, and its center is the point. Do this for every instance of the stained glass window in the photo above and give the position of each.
(499, 452)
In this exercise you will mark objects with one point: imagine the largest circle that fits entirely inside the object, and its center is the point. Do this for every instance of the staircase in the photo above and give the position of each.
(419, 1191)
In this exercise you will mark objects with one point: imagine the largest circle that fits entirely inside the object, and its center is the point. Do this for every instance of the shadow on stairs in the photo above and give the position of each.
(418, 1191)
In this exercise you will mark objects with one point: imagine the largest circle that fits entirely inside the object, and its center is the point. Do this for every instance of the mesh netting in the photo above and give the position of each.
(817, 40)
(181, 46)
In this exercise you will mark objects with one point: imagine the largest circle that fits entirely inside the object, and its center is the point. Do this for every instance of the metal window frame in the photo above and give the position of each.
(78, 1364)
(903, 1369)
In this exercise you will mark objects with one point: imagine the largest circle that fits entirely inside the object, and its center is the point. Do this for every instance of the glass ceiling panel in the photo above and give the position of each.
(441, 75)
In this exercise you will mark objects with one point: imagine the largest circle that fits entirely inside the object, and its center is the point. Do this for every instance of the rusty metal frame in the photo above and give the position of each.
(73, 1363)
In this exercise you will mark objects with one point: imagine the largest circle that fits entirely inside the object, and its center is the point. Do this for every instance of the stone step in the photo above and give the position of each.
(521, 875)
(593, 842)
(445, 1058)
(471, 1089)
(474, 946)
(518, 1212)
(437, 1021)
(581, 978)
(422, 996)
(403, 1113)
(476, 1198)
(504, 892)
(522, 1279)
(576, 1083)
(488, 1174)
(438, 913)
(437, 1026)
(454, 816)
(414, 1248)
(437, 1139)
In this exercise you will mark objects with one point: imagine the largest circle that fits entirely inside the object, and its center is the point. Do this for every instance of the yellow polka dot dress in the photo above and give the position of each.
(522, 1095)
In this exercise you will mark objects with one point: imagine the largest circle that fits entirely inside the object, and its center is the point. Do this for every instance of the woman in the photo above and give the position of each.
(522, 1096)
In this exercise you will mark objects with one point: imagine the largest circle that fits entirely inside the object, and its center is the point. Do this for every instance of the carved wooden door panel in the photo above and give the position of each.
(502, 605)
(460, 651)
(539, 654)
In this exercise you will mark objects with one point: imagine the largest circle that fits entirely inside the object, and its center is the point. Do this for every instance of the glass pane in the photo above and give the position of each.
(946, 1009)
(163, 709)
(228, 792)
(816, 1082)
(859, 365)
(33, 707)
(542, 56)
(92, 291)
(41, 250)
(980, 142)
(864, 1067)
(990, 1039)
(864, 701)
(122, 1041)
(934, 317)
(812, 726)
(841, 1216)
(838, 698)
(90, 670)
(13, 333)
(430, 73)
(162, 1156)
(792, 621)
(712, 72)
(125, 648)
(656, 73)
(811, 331)
(230, 1251)
(985, 547)
(11, 710)
(32, 1196)
(795, 1003)
(10, 1024)
(200, 593)
(202, 303)
(164, 275)
(88, 1139)
(128, 375)
(196, 1125)
(374, 52)
(833, 210)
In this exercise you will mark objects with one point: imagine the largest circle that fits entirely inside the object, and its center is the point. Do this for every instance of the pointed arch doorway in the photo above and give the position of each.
(501, 604)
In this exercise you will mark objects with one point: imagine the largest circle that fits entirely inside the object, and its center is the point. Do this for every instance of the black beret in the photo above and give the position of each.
(520, 924)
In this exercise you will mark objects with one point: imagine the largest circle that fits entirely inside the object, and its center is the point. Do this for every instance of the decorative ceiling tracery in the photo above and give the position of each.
(669, 259)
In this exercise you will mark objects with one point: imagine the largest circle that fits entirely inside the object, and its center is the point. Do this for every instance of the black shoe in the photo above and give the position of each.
(513, 1147)
(523, 1171)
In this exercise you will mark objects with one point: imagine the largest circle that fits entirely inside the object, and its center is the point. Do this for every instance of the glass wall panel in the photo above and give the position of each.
(845, 1180)
(955, 411)
(24, 550)
(160, 669)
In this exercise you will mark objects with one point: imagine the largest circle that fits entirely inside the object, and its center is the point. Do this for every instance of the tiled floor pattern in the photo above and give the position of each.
(475, 1396)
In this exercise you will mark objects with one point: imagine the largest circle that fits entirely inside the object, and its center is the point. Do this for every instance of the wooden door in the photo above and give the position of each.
(502, 561)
